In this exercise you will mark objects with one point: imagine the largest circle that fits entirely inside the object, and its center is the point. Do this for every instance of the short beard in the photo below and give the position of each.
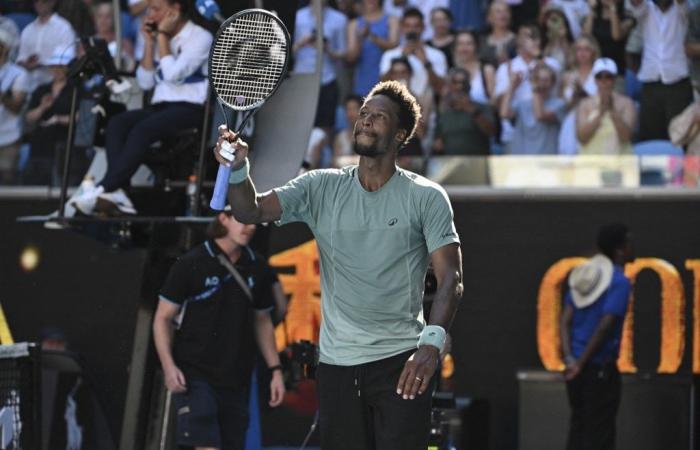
(366, 150)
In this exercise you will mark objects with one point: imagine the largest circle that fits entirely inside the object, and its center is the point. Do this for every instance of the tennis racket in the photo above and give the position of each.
(246, 66)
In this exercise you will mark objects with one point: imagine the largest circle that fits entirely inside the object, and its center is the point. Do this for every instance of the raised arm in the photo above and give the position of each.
(247, 205)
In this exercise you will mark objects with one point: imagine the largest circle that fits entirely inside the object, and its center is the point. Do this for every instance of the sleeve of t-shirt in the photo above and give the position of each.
(385, 62)
(177, 287)
(21, 83)
(297, 198)
(618, 298)
(24, 50)
(502, 80)
(559, 109)
(438, 220)
(439, 62)
(568, 300)
(340, 36)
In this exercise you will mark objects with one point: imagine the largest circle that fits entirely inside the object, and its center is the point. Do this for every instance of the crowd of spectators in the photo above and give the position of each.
(517, 78)
(492, 76)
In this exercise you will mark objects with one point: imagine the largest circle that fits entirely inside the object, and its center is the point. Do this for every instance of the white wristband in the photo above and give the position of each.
(241, 174)
(433, 335)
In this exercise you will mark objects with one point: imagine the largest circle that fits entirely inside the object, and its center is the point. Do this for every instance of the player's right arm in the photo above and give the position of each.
(247, 205)
(163, 337)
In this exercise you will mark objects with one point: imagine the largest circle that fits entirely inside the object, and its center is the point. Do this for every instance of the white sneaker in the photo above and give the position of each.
(69, 210)
(84, 202)
(111, 202)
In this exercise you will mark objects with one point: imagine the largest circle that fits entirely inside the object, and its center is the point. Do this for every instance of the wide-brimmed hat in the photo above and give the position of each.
(588, 281)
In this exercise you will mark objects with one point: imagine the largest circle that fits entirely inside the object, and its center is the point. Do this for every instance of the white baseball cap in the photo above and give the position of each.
(604, 65)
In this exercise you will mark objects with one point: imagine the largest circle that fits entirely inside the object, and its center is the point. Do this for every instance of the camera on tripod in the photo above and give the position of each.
(299, 361)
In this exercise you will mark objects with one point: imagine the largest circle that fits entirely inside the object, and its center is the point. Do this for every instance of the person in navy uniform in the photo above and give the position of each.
(591, 330)
(214, 306)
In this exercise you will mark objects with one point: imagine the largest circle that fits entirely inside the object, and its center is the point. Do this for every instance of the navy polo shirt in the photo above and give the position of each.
(215, 341)
(585, 321)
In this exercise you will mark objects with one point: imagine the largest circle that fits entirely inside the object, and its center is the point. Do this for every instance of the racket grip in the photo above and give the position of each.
(218, 198)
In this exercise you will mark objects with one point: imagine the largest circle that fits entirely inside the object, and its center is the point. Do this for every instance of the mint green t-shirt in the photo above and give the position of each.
(374, 249)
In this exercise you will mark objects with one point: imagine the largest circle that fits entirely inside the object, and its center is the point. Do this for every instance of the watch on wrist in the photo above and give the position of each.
(275, 368)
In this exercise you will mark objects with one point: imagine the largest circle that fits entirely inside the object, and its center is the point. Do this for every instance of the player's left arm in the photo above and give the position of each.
(420, 368)
(265, 335)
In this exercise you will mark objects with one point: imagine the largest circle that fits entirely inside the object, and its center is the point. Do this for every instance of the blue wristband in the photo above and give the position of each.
(241, 174)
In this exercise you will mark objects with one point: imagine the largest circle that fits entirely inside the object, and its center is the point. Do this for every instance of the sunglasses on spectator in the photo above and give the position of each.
(605, 76)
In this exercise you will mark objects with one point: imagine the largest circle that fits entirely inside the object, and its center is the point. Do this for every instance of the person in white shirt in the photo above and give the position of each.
(666, 87)
(14, 85)
(174, 66)
(397, 8)
(39, 40)
(335, 48)
(429, 64)
(529, 46)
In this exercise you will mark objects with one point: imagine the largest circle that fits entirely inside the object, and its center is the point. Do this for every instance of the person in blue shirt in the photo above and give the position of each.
(591, 330)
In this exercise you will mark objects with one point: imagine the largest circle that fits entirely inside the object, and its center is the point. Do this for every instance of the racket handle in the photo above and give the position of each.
(218, 198)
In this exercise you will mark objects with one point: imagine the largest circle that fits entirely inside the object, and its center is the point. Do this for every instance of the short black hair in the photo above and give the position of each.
(412, 12)
(443, 10)
(185, 6)
(409, 109)
(402, 60)
(612, 237)
(460, 71)
(352, 98)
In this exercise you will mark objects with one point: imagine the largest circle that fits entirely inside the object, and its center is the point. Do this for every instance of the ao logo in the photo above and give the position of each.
(211, 281)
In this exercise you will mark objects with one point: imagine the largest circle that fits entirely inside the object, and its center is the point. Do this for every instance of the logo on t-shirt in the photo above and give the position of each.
(448, 234)
(393, 221)
(211, 281)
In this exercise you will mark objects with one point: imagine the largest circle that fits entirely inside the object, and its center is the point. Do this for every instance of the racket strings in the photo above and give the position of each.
(248, 60)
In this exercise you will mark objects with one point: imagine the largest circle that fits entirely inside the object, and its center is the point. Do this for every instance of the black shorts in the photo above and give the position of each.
(327, 105)
(211, 417)
(370, 415)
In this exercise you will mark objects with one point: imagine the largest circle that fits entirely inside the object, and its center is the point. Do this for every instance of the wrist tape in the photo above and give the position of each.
(433, 335)
(241, 174)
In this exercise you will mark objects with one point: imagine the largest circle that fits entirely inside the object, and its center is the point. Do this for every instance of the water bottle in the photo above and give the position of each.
(191, 191)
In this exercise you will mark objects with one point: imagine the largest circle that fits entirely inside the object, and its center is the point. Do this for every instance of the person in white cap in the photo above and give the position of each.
(14, 86)
(605, 122)
(591, 330)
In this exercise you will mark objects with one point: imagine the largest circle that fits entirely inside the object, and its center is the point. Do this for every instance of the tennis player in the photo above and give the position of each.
(377, 227)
